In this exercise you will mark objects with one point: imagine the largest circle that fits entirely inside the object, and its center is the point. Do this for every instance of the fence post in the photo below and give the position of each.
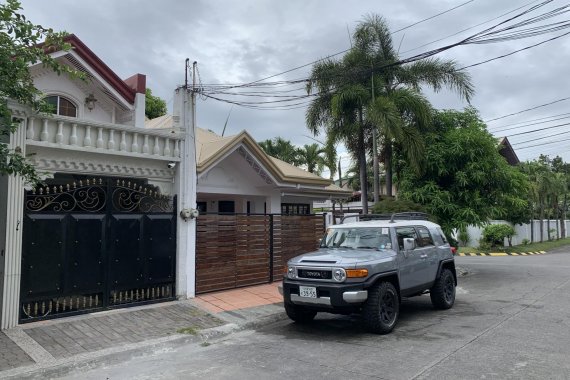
(270, 248)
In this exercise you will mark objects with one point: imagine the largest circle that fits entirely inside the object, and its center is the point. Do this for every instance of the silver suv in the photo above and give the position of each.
(368, 266)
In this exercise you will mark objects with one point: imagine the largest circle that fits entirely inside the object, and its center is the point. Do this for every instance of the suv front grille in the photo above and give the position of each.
(318, 274)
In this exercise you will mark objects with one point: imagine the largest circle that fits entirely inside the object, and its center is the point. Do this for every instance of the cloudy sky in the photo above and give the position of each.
(240, 42)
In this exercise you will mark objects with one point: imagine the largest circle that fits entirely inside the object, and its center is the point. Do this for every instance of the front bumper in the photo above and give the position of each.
(328, 295)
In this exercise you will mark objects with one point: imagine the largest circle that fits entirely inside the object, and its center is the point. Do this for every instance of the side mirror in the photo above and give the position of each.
(409, 244)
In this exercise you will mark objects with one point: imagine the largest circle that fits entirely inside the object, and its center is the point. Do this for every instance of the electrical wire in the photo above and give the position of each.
(566, 115)
(539, 138)
(527, 109)
(346, 50)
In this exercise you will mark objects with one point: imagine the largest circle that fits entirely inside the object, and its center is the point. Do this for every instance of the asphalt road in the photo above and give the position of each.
(511, 320)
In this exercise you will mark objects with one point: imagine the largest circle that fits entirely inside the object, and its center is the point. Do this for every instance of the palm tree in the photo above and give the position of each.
(281, 149)
(367, 89)
(399, 111)
(312, 156)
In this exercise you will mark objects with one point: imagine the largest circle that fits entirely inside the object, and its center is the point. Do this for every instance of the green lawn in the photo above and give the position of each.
(545, 246)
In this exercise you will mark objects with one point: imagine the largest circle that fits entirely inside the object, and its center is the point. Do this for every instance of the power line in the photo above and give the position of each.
(542, 144)
(532, 120)
(471, 27)
(346, 50)
(540, 138)
(527, 109)
(514, 52)
(538, 130)
(432, 17)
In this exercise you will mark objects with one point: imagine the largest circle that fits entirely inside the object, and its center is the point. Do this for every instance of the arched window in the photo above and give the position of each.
(61, 106)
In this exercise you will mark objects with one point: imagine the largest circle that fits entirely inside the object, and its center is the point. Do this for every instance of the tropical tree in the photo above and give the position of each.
(154, 106)
(368, 89)
(19, 47)
(466, 181)
(281, 149)
(399, 111)
(312, 156)
(549, 183)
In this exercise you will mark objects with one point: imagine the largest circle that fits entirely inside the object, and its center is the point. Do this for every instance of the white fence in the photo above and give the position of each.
(522, 231)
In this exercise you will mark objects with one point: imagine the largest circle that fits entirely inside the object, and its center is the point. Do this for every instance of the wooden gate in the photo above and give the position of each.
(241, 250)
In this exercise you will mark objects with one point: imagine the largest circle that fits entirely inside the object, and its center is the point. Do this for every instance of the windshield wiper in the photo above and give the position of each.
(366, 247)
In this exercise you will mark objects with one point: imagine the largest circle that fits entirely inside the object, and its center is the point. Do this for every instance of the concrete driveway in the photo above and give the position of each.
(511, 320)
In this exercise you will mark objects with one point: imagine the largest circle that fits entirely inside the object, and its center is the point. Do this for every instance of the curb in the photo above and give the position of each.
(502, 253)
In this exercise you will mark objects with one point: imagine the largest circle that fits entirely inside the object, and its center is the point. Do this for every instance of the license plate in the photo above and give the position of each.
(308, 291)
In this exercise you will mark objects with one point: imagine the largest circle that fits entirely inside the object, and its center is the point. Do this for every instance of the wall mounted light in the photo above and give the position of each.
(90, 102)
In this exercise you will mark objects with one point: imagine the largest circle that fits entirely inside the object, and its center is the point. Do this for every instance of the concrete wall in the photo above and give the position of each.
(522, 231)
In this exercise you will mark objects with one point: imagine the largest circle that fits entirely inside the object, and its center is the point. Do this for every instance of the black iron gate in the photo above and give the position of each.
(95, 244)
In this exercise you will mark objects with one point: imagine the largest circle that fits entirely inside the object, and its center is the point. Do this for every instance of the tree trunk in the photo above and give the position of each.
(532, 228)
(563, 219)
(362, 166)
(388, 168)
(376, 167)
(541, 216)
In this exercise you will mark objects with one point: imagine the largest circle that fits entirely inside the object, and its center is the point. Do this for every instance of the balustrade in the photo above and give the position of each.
(59, 132)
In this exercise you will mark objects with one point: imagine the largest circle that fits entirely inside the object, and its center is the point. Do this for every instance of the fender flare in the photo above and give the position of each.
(443, 263)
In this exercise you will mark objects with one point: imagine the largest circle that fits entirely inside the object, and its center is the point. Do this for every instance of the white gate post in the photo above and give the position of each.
(186, 188)
(13, 246)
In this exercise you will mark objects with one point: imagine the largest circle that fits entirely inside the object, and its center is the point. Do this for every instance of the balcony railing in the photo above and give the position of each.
(74, 134)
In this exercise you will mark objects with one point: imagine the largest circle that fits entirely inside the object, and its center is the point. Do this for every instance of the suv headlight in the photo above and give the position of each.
(339, 274)
(291, 272)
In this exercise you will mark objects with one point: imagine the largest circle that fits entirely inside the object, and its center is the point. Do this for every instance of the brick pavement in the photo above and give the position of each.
(12, 356)
(68, 338)
(30, 347)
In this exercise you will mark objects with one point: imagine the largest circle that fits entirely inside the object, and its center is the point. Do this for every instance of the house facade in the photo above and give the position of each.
(113, 224)
(102, 231)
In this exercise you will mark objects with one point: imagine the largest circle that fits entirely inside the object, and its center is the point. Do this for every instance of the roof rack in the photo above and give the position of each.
(412, 215)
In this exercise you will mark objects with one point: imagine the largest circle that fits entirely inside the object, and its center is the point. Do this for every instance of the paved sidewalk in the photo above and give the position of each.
(30, 349)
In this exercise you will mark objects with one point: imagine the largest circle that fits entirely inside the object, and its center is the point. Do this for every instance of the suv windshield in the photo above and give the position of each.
(357, 238)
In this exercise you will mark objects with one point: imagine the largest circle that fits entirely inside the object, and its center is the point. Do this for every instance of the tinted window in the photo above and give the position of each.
(424, 238)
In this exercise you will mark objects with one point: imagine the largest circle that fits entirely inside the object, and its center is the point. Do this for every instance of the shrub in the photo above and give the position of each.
(390, 205)
(495, 234)
(526, 242)
(464, 237)
(484, 245)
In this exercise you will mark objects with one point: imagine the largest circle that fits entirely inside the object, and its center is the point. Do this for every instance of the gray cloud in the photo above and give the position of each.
(236, 42)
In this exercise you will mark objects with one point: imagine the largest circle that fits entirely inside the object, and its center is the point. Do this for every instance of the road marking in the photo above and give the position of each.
(466, 254)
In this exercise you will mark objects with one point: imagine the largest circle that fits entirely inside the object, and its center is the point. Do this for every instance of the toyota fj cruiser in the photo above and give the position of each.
(367, 266)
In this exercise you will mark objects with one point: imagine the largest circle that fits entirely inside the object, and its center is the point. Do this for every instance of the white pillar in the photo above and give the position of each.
(185, 184)
(139, 110)
(274, 202)
(13, 241)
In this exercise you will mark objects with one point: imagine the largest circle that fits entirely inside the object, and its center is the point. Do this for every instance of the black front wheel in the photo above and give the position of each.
(381, 310)
(442, 293)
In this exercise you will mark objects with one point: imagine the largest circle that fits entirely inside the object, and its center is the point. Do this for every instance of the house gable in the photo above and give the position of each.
(117, 101)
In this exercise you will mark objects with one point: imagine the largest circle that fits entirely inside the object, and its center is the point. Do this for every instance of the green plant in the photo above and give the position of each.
(495, 234)
(525, 242)
(390, 205)
(484, 245)
(188, 330)
(463, 237)
(550, 232)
